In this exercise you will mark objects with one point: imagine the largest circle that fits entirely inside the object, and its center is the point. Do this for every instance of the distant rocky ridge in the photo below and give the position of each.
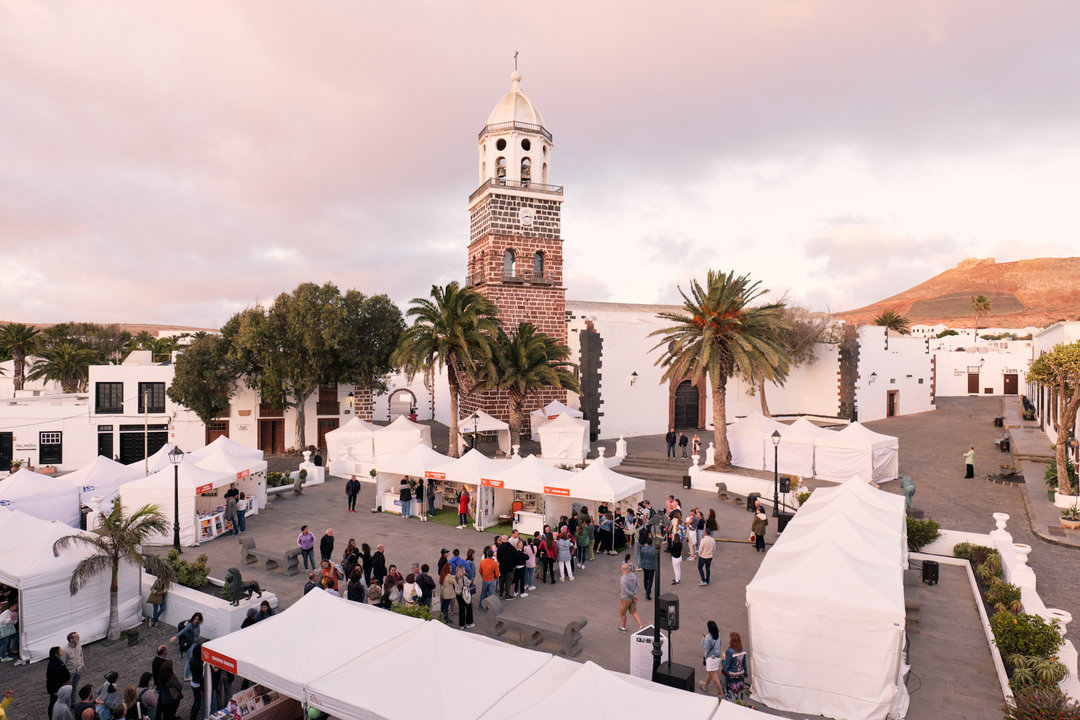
(133, 328)
(1036, 292)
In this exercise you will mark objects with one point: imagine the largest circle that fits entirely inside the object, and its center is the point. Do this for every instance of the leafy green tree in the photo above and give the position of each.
(893, 321)
(720, 332)
(1059, 372)
(66, 363)
(525, 362)
(205, 378)
(799, 336)
(948, 332)
(980, 305)
(108, 340)
(452, 329)
(117, 539)
(19, 340)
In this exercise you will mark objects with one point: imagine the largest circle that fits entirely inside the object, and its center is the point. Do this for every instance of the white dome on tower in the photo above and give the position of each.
(515, 107)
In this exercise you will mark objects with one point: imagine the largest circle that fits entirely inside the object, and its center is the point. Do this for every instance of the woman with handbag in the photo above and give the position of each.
(675, 548)
(713, 649)
(757, 530)
(157, 598)
(463, 593)
(170, 692)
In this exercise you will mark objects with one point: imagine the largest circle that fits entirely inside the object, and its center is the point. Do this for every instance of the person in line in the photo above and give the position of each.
(352, 491)
(670, 440)
(683, 442)
(420, 501)
(355, 590)
(463, 595)
(230, 515)
(306, 542)
(326, 545)
(489, 575)
(427, 586)
(757, 529)
(470, 568)
(170, 692)
(107, 696)
(243, 504)
(405, 496)
(628, 588)
(648, 564)
(62, 709)
(463, 509)
(312, 581)
(159, 659)
(377, 565)
(72, 655)
(410, 592)
(734, 666)
(675, 548)
(530, 563)
(444, 558)
(56, 676)
(159, 593)
(85, 703)
(252, 616)
(969, 462)
(518, 585)
(265, 611)
(582, 538)
(506, 554)
(447, 591)
(713, 648)
(565, 549)
(705, 556)
(131, 704)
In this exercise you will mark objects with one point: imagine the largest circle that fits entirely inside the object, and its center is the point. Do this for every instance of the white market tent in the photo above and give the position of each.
(864, 505)
(399, 437)
(599, 483)
(470, 468)
(539, 418)
(47, 610)
(222, 442)
(414, 463)
(856, 451)
(351, 443)
(103, 477)
(531, 474)
(157, 489)
(796, 449)
(750, 439)
(565, 437)
(249, 473)
(156, 462)
(485, 423)
(49, 497)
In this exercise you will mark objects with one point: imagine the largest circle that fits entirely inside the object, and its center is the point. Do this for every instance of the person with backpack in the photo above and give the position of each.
(187, 634)
(734, 666)
(463, 592)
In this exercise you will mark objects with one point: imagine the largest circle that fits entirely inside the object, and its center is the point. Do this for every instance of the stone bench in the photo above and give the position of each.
(532, 633)
(288, 562)
(282, 490)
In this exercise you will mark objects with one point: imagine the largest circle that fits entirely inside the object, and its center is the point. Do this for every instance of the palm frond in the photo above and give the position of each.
(87, 569)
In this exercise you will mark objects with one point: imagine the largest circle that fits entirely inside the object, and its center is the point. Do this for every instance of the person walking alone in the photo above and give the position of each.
(705, 556)
(352, 490)
(628, 588)
(306, 543)
(648, 564)
(969, 462)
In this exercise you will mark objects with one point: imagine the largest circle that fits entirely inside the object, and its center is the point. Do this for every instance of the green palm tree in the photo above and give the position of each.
(452, 329)
(19, 340)
(718, 333)
(980, 304)
(118, 538)
(67, 363)
(526, 362)
(894, 321)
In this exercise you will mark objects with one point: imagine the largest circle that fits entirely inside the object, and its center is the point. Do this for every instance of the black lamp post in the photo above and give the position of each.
(776, 473)
(176, 456)
(475, 428)
(657, 521)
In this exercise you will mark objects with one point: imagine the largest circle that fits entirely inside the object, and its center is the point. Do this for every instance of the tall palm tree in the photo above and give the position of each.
(118, 538)
(719, 332)
(800, 337)
(980, 304)
(20, 340)
(894, 321)
(524, 363)
(452, 329)
(67, 363)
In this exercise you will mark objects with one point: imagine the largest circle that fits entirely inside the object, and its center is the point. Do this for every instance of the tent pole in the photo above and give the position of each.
(208, 689)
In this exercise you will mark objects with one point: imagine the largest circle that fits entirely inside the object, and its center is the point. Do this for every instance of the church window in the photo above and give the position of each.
(509, 263)
(526, 171)
(500, 144)
(500, 170)
(538, 265)
(544, 175)
(525, 144)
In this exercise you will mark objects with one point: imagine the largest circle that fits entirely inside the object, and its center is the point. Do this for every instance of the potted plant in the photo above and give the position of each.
(1070, 517)
(1029, 414)
(1051, 477)
(15, 465)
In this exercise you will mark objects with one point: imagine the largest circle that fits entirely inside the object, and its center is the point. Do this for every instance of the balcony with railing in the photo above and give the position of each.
(524, 127)
(516, 185)
(535, 277)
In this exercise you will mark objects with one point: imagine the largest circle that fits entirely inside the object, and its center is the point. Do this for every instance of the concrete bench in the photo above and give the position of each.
(531, 633)
(288, 562)
(282, 490)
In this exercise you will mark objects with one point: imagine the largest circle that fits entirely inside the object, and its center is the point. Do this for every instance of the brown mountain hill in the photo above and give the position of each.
(1035, 292)
(133, 328)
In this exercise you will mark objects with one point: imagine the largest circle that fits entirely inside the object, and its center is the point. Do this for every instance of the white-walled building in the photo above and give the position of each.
(895, 374)
(1062, 333)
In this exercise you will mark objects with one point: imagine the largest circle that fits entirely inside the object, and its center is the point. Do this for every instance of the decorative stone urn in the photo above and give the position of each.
(1022, 551)
(1000, 519)
(1062, 616)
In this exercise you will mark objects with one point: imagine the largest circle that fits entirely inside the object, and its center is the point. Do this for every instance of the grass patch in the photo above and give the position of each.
(450, 519)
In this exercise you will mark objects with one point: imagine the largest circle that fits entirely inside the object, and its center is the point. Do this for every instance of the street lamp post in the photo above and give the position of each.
(776, 474)
(176, 456)
(656, 521)
(475, 428)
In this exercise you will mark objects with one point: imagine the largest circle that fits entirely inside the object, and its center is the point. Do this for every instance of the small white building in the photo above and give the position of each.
(1061, 333)
(895, 374)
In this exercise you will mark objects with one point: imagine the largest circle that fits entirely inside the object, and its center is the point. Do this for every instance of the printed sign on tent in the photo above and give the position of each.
(204, 488)
(434, 475)
(242, 474)
(218, 660)
(548, 490)
(488, 482)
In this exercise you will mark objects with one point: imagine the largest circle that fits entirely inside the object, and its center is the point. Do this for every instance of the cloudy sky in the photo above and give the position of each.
(173, 162)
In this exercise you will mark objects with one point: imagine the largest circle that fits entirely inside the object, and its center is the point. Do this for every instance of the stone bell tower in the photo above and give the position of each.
(515, 246)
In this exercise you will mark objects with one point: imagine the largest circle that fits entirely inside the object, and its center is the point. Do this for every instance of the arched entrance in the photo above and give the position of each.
(687, 399)
(401, 402)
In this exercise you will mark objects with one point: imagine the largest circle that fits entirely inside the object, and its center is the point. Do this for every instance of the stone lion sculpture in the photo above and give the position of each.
(236, 589)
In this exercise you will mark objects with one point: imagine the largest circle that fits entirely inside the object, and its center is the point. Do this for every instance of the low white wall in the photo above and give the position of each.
(219, 617)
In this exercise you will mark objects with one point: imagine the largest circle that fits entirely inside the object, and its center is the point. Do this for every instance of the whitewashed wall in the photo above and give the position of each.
(901, 363)
(994, 361)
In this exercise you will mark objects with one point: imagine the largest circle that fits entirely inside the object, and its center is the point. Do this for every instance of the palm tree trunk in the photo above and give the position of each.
(761, 397)
(18, 358)
(114, 604)
(455, 390)
(517, 417)
(719, 414)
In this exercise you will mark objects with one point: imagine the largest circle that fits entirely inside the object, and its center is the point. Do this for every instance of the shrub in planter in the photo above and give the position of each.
(417, 611)
(1051, 477)
(803, 497)
(1041, 703)
(1029, 414)
(990, 569)
(1004, 596)
(190, 574)
(1025, 634)
(921, 532)
(1028, 671)
(975, 554)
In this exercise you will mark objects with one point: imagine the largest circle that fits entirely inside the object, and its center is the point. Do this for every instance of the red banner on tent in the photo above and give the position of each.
(204, 488)
(434, 475)
(552, 417)
(218, 660)
(491, 483)
(565, 492)
(242, 474)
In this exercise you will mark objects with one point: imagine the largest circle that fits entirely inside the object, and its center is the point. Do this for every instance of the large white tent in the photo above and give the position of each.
(749, 437)
(531, 474)
(565, 437)
(249, 473)
(47, 610)
(102, 477)
(796, 449)
(539, 418)
(399, 437)
(223, 442)
(351, 443)
(157, 489)
(599, 483)
(856, 451)
(485, 424)
(48, 497)
(470, 468)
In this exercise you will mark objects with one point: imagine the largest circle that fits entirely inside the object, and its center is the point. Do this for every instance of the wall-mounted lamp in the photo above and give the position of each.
(873, 377)
(633, 377)
(982, 361)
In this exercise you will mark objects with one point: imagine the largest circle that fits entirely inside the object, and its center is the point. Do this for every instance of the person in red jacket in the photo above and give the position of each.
(463, 509)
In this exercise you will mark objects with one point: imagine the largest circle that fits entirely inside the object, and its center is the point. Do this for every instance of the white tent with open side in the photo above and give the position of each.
(349, 444)
(484, 424)
(157, 489)
(103, 476)
(47, 610)
(856, 451)
(796, 449)
(49, 497)
(539, 418)
(249, 472)
(565, 437)
(598, 483)
(750, 439)
(400, 437)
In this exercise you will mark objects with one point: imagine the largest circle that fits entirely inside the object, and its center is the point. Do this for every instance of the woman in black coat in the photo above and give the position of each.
(355, 590)
(56, 674)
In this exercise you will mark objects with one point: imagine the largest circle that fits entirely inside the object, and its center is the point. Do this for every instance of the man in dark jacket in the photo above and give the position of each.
(378, 565)
(506, 555)
(648, 563)
(683, 442)
(427, 586)
(312, 581)
(326, 545)
(161, 657)
(352, 490)
(86, 700)
(670, 439)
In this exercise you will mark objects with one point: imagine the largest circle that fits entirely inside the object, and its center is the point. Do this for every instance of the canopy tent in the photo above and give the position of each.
(47, 610)
(470, 468)
(400, 436)
(157, 489)
(599, 483)
(351, 443)
(156, 462)
(484, 423)
(866, 506)
(539, 418)
(565, 437)
(249, 472)
(221, 442)
(103, 477)
(750, 439)
(796, 449)
(531, 474)
(414, 463)
(856, 451)
(49, 497)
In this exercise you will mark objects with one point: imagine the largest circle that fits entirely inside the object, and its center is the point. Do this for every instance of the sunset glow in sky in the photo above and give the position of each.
(175, 162)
